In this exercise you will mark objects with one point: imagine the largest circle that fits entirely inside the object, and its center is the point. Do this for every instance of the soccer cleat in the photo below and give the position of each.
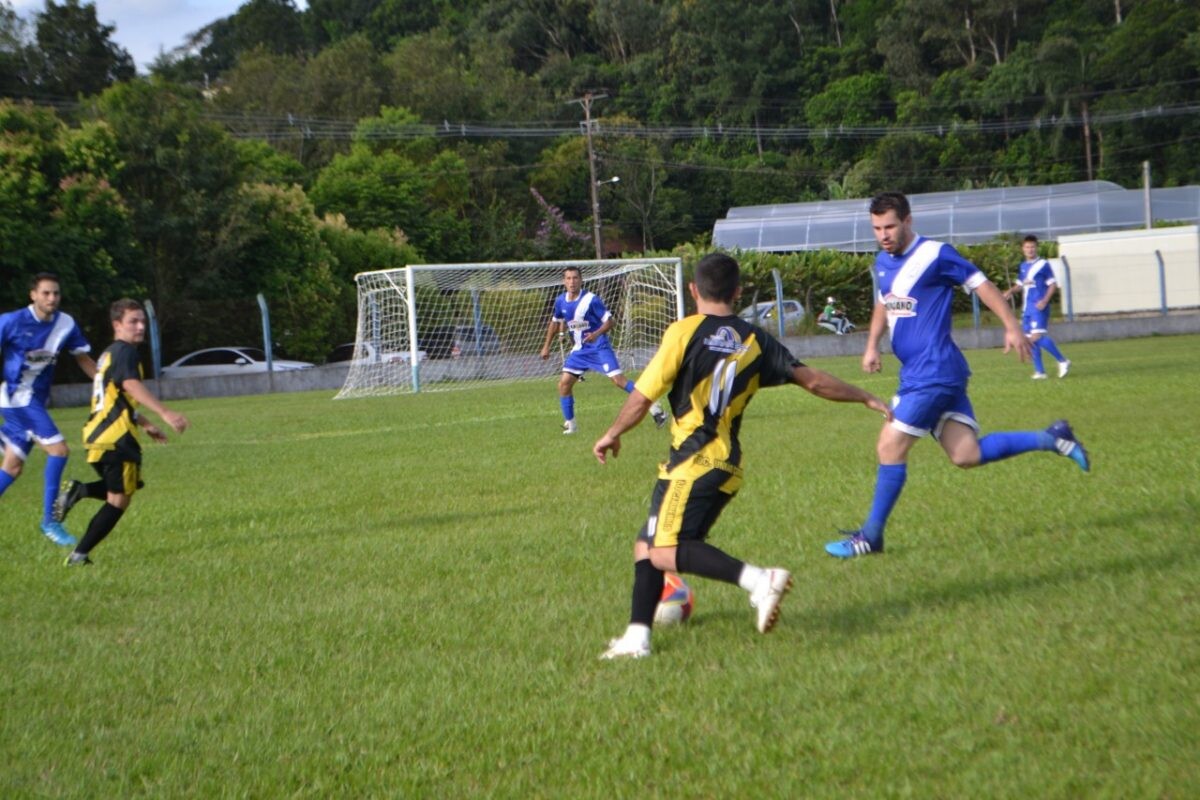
(856, 544)
(72, 492)
(1063, 368)
(56, 533)
(569, 426)
(660, 416)
(1067, 445)
(623, 648)
(77, 560)
(767, 596)
(1039, 376)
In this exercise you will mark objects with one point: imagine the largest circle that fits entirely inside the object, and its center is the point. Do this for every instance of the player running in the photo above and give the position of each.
(710, 365)
(1035, 279)
(587, 321)
(110, 434)
(31, 339)
(917, 281)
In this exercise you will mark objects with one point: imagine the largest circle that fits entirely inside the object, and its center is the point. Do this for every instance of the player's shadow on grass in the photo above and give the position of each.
(872, 616)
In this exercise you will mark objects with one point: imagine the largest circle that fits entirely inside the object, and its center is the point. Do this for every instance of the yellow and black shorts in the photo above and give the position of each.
(120, 477)
(684, 505)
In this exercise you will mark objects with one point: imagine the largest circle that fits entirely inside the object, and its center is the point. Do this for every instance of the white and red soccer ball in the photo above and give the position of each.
(677, 601)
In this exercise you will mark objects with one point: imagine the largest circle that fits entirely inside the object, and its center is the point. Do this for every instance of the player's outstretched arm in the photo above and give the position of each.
(826, 386)
(138, 391)
(87, 364)
(637, 405)
(871, 360)
(1014, 337)
(551, 329)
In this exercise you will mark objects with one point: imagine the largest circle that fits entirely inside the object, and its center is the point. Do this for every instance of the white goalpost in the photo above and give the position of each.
(431, 327)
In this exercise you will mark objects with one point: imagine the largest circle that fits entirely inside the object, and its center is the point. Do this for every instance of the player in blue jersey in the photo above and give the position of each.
(583, 315)
(1036, 279)
(31, 339)
(917, 280)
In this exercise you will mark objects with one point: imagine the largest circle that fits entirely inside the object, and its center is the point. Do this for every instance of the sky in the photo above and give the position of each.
(144, 27)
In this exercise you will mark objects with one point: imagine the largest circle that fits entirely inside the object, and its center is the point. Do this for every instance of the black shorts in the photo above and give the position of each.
(685, 508)
(120, 477)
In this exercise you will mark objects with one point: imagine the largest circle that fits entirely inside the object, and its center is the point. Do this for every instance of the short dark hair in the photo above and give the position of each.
(717, 277)
(43, 276)
(891, 201)
(573, 269)
(1030, 238)
(116, 312)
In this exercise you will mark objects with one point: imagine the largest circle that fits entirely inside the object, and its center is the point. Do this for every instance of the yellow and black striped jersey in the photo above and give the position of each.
(712, 367)
(111, 426)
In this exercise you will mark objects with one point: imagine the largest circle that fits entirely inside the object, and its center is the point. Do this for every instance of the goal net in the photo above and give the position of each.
(449, 326)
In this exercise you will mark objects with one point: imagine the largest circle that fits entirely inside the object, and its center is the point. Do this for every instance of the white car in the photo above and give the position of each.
(227, 361)
(345, 353)
(793, 313)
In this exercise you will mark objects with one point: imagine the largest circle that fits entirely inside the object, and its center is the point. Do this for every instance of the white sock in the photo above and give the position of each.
(637, 633)
(750, 577)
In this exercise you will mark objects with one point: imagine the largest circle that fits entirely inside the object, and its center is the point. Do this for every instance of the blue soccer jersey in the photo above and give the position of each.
(583, 315)
(30, 349)
(917, 288)
(1036, 277)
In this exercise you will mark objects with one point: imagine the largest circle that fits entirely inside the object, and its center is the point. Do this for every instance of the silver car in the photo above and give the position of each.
(227, 361)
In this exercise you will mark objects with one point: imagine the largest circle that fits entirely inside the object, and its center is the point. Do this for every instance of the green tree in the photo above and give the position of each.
(75, 52)
(269, 242)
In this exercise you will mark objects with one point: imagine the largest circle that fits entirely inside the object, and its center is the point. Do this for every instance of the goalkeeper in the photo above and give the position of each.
(585, 318)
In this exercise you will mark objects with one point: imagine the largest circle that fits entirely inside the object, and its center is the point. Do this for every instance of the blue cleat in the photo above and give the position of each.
(56, 533)
(856, 544)
(1068, 445)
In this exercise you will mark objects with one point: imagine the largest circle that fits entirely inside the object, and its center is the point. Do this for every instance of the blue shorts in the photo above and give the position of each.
(597, 359)
(1035, 321)
(26, 425)
(926, 409)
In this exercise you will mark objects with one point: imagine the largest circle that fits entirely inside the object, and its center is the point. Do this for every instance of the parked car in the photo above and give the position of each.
(456, 341)
(227, 361)
(345, 352)
(469, 341)
(793, 313)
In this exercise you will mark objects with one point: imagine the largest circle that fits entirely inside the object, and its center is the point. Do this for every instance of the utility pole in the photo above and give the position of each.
(593, 187)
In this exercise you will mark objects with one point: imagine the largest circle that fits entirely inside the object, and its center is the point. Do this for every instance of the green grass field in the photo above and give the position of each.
(406, 597)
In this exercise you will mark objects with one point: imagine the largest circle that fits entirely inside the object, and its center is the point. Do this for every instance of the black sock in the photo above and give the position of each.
(701, 558)
(101, 525)
(647, 591)
(96, 490)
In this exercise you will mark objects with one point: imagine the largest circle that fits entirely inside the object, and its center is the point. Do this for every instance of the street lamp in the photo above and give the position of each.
(596, 212)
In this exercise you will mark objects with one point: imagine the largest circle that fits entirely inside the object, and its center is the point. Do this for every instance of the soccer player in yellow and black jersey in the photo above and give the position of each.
(110, 434)
(712, 363)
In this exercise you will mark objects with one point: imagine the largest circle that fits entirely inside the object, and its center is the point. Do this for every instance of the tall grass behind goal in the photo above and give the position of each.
(450, 326)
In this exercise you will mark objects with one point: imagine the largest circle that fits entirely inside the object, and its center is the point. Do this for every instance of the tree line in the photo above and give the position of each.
(283, 150)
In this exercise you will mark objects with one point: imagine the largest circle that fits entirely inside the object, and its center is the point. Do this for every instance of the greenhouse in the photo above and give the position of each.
(965, 217)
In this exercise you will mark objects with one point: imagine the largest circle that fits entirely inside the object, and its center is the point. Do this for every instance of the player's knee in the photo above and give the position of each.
(120, 501)
(663, 558)
(14, 467)
(965, 458)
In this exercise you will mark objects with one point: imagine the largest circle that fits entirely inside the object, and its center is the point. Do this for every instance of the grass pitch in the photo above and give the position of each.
(406, 597)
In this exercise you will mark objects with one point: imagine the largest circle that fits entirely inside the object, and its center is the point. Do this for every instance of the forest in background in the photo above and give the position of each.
(283, 150)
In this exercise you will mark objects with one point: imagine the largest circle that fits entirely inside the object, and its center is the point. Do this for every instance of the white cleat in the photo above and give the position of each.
(624, 648)
(660, 416)
(767, 596)
(1063, 368)
(1039, 376)
(569, 426)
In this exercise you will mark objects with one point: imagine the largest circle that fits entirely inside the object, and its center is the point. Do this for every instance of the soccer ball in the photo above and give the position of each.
(677, 601)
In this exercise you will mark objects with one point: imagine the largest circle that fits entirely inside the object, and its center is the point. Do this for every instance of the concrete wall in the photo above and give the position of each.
(1118, 271)
(330, 378)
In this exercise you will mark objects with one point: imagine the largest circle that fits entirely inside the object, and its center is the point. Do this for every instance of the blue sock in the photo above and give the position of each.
(568, 407)
(1052, 348)
(889, 481)
(628, 386)
(1038, 369)
(1005, 444)
(6, 481)
(55, 465)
